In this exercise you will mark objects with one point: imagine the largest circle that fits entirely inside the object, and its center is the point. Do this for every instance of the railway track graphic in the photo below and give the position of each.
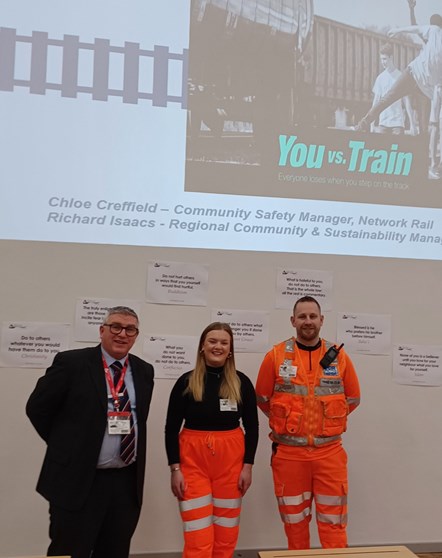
(74, 67)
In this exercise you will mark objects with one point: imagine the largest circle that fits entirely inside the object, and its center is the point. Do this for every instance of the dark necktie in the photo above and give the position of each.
(127, 445)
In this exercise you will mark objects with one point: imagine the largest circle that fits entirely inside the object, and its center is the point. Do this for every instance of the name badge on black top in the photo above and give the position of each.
(227, 405)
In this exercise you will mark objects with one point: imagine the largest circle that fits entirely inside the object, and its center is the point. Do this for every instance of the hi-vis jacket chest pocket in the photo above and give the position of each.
(285, 417)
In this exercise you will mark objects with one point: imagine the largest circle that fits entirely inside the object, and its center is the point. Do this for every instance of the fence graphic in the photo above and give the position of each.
(161, 71)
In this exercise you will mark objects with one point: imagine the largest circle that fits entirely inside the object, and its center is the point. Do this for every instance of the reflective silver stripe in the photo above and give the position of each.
(262, 399)
(230, 503)
(295, 517)
(301, 440)
(325, 440)
(332, 519)
(353, 400)
(331, 500)
(289, 440)
(198, 524)
(195, 503)
(329, 390)
(295, 389)
(294, 500)
(289, 345)
(226, 521)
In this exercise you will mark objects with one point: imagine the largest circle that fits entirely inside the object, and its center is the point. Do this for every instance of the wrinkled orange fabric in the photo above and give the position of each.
(211, 463)
(301, 479)
(302, 474)
(309, 374)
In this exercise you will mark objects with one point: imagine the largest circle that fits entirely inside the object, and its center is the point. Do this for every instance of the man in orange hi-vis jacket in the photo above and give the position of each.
(307, 387)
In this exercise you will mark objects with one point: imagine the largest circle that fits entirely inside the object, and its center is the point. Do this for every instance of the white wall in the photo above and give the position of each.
(394, 440)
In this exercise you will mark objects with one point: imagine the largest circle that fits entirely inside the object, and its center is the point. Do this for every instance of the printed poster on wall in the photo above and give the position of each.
(177, 283)
(250, 328)
(292, 284)
(365, 333)
(32, 344)
(171, 355)
(417, 365)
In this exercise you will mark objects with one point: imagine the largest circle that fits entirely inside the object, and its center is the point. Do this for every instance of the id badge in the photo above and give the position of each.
(227, 405)
(288, 370)
(118, 423)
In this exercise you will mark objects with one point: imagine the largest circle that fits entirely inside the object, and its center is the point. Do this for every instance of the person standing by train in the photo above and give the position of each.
(392, 119)
(423, 73)
(210, 458)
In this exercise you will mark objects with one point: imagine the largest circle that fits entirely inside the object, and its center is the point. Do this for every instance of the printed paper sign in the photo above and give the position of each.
(250, 329)
(177, 283)
(32, 344)
(417, 365)
(292, 284)
(171, 355)
(365, 333)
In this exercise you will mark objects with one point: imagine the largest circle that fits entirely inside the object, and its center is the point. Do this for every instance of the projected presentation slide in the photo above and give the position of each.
(270, 125)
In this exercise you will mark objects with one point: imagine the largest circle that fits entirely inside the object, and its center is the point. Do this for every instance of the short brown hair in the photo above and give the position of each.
(306, 298)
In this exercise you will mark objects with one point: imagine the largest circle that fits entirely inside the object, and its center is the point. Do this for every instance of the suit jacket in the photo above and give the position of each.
(68, 408)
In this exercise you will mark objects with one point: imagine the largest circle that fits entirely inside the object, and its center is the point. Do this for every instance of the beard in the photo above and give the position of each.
(307, 333)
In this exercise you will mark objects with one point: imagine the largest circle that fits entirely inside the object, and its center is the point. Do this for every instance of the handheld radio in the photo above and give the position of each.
(330, 356)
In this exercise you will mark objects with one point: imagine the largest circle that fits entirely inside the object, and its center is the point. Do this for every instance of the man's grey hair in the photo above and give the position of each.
(125, 310)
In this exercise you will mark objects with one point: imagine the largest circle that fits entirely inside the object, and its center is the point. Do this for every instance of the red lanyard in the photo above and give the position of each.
(115, 389)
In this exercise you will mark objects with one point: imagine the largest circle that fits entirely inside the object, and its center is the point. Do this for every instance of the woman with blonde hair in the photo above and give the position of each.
(211, 457)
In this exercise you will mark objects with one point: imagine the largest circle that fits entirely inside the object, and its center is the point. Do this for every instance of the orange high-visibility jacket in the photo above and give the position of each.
(306, 407)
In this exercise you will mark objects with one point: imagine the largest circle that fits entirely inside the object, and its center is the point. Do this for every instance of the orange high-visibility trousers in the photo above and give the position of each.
(297, 483)
(211, 463)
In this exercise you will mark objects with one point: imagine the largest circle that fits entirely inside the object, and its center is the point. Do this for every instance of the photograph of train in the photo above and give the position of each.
(285, 102)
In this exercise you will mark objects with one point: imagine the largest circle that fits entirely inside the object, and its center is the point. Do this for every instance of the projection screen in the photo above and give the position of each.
(223, 124)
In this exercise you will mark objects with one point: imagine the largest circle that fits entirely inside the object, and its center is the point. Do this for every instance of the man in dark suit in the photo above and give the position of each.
(91, 408)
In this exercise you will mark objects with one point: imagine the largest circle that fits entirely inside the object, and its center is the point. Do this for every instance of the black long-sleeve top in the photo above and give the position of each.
(206, 414)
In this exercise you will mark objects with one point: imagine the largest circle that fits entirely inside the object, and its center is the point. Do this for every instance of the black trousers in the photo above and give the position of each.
(103, 528)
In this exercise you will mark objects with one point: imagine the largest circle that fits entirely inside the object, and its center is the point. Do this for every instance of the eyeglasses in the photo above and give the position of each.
(131, 330)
